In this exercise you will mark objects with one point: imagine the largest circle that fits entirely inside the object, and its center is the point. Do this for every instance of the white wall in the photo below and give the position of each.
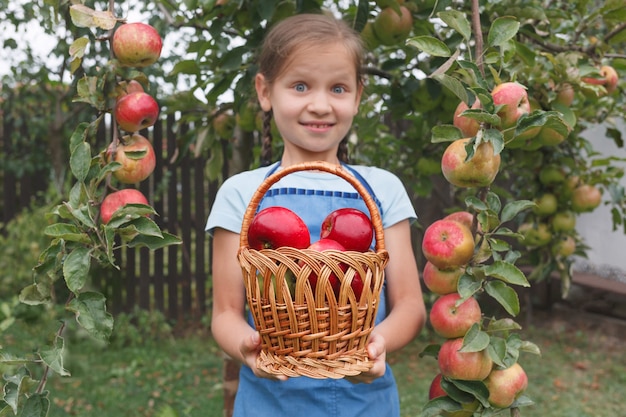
(607, 253)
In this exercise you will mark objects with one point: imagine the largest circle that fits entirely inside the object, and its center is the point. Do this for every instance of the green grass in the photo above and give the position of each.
(581, 372)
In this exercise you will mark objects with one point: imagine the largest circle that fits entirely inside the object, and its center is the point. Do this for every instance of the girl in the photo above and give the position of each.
(310, 81)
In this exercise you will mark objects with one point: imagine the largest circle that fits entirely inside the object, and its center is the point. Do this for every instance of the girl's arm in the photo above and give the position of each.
(228, 324)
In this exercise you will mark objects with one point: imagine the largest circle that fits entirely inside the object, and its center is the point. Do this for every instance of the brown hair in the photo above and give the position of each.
(300, 31)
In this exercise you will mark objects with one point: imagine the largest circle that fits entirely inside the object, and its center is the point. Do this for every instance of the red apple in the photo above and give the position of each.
(137, 157)
(585, 197)
(514, 99)
(441, 281)
(112, 202)
(276, 226)
(506, 385)
(467, 366)
(435, 390)
(448, 244)
(391, 27)
(450, 319)
(350, 227)
(136, 111)
(321, 246)
(468, 127)
(479, 171)
(136, 44)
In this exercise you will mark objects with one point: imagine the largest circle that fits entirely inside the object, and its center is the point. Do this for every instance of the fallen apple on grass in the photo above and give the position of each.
(276, 226)
(136, 155)
(118, 199)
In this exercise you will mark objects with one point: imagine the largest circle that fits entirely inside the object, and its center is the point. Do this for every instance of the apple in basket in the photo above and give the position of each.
(350, 227)
(277, 226)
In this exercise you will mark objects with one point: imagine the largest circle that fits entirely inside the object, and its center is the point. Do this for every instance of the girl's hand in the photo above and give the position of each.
(378, 354)
(250, 348)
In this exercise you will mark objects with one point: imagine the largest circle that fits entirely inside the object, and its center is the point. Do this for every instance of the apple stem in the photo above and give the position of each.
(515, 412)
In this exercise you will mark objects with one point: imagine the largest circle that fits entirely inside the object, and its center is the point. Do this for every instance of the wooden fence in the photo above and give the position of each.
(175, 279)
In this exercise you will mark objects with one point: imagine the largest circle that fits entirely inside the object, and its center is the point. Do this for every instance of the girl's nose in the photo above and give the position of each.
(319, 103)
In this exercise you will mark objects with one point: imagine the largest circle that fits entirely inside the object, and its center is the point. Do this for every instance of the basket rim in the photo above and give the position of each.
(337, 170)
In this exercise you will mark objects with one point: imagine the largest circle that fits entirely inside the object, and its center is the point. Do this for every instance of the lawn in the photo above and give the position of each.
(581, 372)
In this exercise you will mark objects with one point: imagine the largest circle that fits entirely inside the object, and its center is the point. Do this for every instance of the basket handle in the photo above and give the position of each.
(313, 166)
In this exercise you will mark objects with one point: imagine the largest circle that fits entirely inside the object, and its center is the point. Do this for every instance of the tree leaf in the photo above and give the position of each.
(85, 17)
(477, 389)
(475, 340)
(445, 133)
(505, 295)
(502, 30)
(53, 357)
(76, 268)
(153, 243)
(430, 45)
(68, 232)
(457, 21)
(454, 85)
(506, 272)
(91, 314)
(80, 161)
(513, 208)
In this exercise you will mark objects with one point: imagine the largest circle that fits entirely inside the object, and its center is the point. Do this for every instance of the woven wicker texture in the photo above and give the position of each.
(321, 334)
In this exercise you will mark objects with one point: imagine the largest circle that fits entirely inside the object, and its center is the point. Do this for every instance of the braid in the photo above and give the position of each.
(342, 150)
(266, 139)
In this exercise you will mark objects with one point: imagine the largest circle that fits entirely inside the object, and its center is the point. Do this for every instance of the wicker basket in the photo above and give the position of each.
(321, 334)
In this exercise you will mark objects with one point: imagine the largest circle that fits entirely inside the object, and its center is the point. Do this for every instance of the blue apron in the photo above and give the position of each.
(302, 396)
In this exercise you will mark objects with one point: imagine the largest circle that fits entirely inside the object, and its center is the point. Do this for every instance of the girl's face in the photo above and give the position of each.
(314, 101)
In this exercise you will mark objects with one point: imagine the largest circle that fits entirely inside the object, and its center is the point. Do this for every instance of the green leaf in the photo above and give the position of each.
(457, 21)
(503, 325)
(530, 347)
(128, 213)
(91, 314)
(430, 45)
(77, 48)
(68, 232)
(439, 406)
(454, 85)
(459, 395)
(475, 340)
(497, 350)
(505, 295)
(478, 389)
(53, 357)
(468, 285)
(502, 30)
(513, 208)
(153, 243)
(474, 203)
(76, 268)
(506, 272)
(85, 17)
(445, 133)
(36, 405)
(80, 161)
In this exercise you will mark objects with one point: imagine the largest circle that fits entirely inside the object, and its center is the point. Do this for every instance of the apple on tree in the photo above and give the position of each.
(546, 204)
(565, 246)
(466, 366)
(563, 221)
(479, 171)
(118, 199)
(135, 111)
(513, 98)
(535, 235)
(441, 281)
(136, 44)
(436, 390)
(391, 27)
(448, 244)
(136, 155)
(585, 197)
(506, 385)
(350, 227)
(468, 127)
(451, 318)
(276, 226)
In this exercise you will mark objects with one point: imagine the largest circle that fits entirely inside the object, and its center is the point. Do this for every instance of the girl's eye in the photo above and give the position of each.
(338, 89)
(300, 87)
